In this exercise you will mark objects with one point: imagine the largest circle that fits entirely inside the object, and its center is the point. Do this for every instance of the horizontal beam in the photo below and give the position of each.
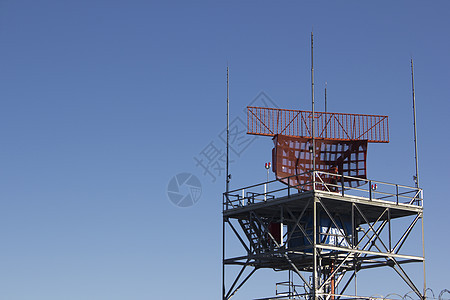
(365, 252)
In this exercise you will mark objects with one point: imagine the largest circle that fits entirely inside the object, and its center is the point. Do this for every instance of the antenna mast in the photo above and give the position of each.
(326, 131)
(228, 134)
(227, 180)
(416, 178)
(312, 96)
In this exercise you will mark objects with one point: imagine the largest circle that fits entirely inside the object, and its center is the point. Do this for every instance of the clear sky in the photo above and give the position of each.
(103, 102)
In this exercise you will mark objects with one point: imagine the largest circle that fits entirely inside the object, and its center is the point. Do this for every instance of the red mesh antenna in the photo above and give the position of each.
(329, 126)
(341, 142)
(292, 156)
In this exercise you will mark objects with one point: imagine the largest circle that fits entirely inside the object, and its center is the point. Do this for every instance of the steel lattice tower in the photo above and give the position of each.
(321, 225)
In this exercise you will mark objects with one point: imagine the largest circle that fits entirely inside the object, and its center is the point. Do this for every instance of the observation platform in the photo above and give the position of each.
(353, 225)
(373, 197)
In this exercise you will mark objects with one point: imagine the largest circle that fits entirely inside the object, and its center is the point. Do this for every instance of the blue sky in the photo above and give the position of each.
(103, 102)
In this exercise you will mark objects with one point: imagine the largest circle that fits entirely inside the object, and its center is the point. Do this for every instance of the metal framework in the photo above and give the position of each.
(323, 236)
(330, 126)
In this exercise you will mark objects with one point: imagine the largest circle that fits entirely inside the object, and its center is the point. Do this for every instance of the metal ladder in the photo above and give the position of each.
(253, 233)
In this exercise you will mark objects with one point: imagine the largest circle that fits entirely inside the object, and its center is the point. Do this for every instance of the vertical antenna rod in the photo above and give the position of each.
(312, 96)
(416, 178)
(227, 180)
(315, 271)
(326, 133)
(228, 135)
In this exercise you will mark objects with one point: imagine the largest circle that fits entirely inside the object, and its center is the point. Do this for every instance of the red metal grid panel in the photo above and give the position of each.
(292, 156)
(328, 126)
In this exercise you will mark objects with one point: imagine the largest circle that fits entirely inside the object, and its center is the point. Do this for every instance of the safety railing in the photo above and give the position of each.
(372, 190)
(289, 289)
